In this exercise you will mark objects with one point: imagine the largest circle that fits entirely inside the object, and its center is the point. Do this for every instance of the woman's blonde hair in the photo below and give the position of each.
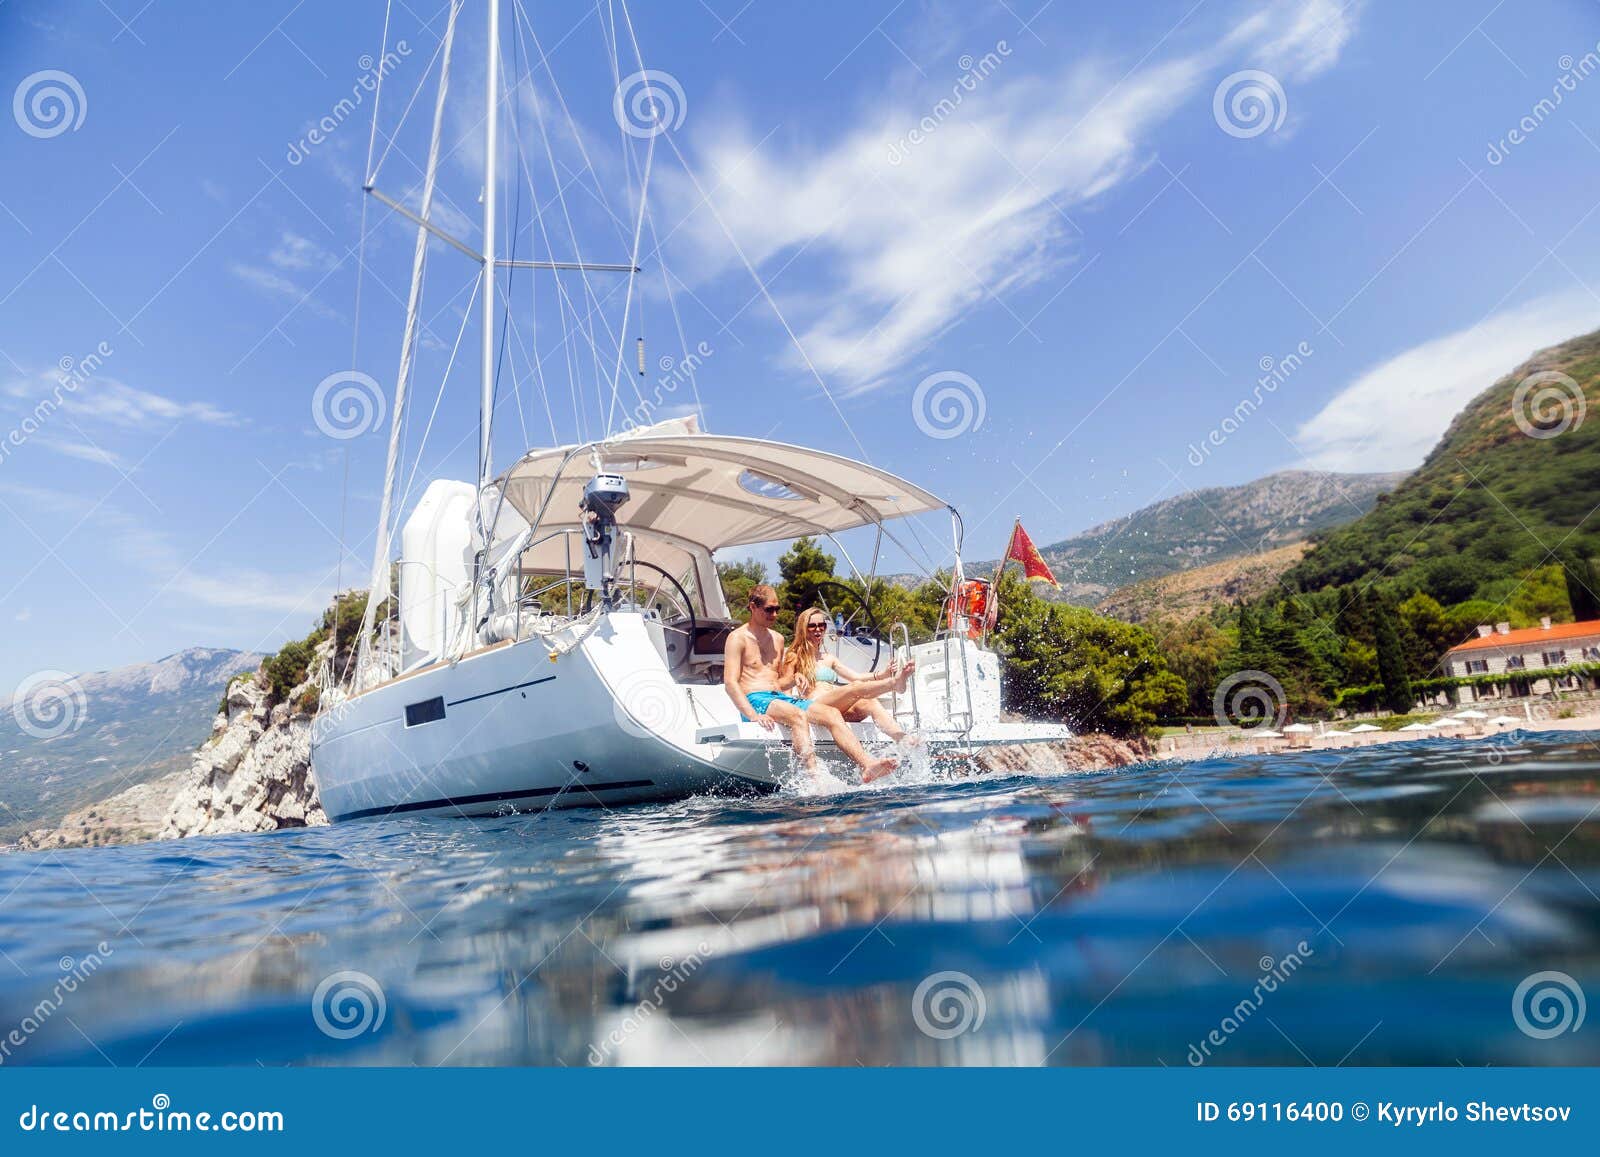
(803, 652)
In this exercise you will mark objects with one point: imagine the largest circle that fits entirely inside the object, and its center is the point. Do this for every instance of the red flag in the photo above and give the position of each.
(1022, 550)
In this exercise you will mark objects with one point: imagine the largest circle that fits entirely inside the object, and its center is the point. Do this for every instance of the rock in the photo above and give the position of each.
(1081, 753)
(131, 816)
(254, 775)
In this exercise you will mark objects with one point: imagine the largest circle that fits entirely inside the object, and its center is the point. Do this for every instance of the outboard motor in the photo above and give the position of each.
(602, 496)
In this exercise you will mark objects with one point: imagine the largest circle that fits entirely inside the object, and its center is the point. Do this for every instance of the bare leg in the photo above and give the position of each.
(874, 710)
(833, 720)
(845, 695)
(799, 727)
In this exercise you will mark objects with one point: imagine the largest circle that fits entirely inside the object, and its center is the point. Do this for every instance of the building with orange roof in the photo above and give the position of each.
(1548, 647)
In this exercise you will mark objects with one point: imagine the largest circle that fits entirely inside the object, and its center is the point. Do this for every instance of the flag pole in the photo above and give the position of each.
(1010, 543)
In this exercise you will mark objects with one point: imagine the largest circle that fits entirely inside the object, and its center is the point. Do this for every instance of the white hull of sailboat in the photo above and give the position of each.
(508, 729)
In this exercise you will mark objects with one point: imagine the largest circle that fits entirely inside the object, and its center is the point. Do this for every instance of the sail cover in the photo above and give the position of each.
(711, 491)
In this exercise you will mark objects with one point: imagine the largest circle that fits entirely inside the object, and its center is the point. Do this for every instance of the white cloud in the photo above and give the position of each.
(975, 208)
(83, 451)
(278, 284)
(1392, 415)
(296, 252)
(108, 400)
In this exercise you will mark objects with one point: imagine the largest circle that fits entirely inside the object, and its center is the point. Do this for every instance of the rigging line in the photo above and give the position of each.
(577, 248)
(630, 162)
(377, 96)
(444, 378)
(767, 295)
(627, 301)
(677, 322)
(750, 268)
(390, 138)
(379, 588)
(516, 335)
(536, 377)
(511, 255)
(572, 125)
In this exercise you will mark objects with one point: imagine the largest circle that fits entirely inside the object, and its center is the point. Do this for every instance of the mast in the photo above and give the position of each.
(491, 122)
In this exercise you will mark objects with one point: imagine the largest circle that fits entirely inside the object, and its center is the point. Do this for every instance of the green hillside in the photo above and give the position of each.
(1492, 502)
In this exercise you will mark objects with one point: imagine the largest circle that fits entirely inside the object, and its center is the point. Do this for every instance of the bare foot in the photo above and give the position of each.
(903, 675)
(877, 769)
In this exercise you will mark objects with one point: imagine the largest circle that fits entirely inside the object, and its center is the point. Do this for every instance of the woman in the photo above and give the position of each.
(827, 682)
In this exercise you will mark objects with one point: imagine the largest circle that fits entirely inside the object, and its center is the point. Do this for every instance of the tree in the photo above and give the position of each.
(1583, 587)
(801, 568)
(1069, 663)
(1397, 695)
(1195, 651)
(1424, 634)
(738, 578)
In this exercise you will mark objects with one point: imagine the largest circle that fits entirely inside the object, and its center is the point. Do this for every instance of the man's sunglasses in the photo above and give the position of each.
(772, 610)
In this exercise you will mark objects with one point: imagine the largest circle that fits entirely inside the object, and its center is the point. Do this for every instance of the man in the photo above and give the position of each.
(752, 672)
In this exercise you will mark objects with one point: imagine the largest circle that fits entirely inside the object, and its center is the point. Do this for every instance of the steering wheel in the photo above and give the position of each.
(851, 612)
(675, 609)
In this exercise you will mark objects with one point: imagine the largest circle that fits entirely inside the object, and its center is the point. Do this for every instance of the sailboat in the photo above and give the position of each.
(551, 635)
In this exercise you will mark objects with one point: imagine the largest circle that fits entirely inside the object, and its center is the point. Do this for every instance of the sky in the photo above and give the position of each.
(1031, 255)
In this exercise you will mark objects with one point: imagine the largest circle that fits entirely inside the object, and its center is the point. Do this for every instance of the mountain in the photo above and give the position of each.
(69, 741)
(1192, 593)
(1208, 526)
(1515, 477)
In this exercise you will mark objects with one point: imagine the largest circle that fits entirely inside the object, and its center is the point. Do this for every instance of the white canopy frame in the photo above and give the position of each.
(693, 494)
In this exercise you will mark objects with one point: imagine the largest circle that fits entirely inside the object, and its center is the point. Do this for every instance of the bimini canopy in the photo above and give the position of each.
(713, 491)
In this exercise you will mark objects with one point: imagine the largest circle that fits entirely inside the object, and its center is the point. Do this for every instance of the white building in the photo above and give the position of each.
(1498, 650)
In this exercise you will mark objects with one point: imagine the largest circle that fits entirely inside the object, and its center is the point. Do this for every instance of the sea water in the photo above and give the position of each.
(1426, 902)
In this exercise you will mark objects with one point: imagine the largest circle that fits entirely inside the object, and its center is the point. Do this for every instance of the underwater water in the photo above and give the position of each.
(1432, 902)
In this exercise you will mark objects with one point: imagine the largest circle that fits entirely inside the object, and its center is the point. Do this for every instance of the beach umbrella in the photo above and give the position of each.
(1298, 729)
(1449, 723)
(1416, 727)
(1268, 733)
(1332, 731)
(1363, 728)
(1470, 714)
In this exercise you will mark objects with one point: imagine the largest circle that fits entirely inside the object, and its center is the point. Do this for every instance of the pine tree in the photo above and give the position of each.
(1397, 694)
(1583, 591)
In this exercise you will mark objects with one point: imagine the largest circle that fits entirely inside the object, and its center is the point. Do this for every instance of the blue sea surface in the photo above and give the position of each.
(1431, 902)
